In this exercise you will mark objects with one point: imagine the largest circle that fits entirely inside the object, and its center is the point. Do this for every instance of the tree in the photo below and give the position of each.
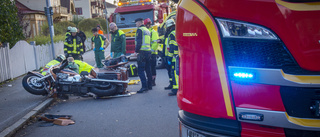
(10, 28)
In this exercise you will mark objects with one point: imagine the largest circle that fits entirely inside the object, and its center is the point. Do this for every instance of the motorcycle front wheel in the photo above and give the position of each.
(32, 84)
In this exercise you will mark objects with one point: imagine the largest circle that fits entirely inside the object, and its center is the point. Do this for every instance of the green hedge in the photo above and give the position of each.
(86, 25)
(41, 40)
(60, 28)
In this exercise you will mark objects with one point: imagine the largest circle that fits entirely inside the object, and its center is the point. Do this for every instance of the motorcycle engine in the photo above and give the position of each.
(67, 77)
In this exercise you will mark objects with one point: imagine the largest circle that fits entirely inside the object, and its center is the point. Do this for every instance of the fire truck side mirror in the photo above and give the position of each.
(111, 18)
(160, 15)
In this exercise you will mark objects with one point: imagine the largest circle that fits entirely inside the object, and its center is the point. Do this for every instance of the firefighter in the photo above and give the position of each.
(173, 55)
(68, 32)
(118, 41)
(166, 51)
(154, 46)
(98, 49)
(73, 45)
(142, 42)
(54, 62)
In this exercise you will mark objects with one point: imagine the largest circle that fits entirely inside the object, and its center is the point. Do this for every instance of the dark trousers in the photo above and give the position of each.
(168, 67)
(153, 64)
(144, 65)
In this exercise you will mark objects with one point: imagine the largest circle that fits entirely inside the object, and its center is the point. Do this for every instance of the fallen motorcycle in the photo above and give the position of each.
(109, 81)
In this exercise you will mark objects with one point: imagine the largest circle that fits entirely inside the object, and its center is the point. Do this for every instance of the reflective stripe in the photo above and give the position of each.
(176, 77)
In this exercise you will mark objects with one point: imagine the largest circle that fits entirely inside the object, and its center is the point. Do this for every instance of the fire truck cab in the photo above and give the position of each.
(249, 68)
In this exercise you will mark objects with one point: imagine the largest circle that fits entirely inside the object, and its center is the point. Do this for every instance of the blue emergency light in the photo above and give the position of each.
(243, 75)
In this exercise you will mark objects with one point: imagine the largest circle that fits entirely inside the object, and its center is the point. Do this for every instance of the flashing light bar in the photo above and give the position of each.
(122, 3)
(243, 75)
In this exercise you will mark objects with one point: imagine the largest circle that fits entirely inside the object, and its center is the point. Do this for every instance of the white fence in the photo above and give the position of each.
(24, 57)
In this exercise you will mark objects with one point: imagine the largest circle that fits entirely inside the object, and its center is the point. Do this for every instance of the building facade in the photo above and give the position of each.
(95, 9)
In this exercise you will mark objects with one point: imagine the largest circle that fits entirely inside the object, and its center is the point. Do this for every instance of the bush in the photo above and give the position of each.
(41, 40)
(87, 25)
(10, 29)
(77, 19)
(60, 28)
(102, 23)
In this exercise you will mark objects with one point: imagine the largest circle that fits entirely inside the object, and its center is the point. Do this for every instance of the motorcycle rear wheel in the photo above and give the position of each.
(100, 92)
(30, 83)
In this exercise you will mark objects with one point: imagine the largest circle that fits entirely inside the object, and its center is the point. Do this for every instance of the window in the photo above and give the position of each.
(79, 11)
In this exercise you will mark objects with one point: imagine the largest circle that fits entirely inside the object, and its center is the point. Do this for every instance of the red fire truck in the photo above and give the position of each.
(249, 67)
(129, 10)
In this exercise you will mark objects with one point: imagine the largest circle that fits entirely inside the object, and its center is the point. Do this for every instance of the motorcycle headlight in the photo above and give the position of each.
(235, 29)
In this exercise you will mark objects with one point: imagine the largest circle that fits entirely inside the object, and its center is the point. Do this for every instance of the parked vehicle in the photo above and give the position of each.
(99, 83)
(249, 68)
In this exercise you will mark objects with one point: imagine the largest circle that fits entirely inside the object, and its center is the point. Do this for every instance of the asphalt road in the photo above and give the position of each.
(150, 114)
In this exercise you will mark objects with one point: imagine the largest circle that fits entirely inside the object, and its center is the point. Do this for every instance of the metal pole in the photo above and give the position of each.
(48, 13)
(105, 10)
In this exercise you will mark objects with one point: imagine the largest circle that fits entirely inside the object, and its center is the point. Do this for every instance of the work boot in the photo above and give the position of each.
(168, 87)
(142, 90)
(154, 82)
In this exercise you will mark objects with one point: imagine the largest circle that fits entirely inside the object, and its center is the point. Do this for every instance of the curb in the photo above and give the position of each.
(22, 121)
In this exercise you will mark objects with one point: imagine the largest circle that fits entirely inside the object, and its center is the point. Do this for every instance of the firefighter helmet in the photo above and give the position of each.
(170, 23)
(69, 28)
(146, 21)
(73, 29)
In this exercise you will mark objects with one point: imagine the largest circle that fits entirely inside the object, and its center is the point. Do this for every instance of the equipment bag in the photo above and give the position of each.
(133, 70)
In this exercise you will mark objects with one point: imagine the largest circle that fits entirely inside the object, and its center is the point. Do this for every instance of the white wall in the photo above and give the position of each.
(86, 7)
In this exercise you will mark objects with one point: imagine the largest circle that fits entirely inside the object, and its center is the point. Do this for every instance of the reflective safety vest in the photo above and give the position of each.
(83, 66)
(73, 45)
(145, 46)
(44, 70)
(154, 39)
(173, 44)
(102, 42)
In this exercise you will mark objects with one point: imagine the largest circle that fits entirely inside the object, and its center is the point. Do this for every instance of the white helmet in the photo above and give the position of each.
(170, 23)
(69, 28)
(61, 56)
(73, 29)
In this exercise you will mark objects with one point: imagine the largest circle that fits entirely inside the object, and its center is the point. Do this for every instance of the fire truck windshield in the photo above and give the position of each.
(124, 20)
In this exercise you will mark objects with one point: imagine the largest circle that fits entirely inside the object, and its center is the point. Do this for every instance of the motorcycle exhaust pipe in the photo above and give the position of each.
(115, 81)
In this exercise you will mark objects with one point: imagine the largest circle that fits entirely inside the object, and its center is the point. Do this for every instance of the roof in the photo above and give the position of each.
(109, 5)
(25, 10)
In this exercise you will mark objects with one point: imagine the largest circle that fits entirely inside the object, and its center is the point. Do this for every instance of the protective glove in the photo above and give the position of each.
(94, 49)
(169, 63)
(111, 54)
(122, 55)
(101, 48)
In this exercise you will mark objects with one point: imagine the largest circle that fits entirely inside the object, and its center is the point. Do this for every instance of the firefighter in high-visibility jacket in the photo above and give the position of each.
(68, 32)
(154, 48)
(54, 62)
(166, 51)
(73, 45)
(142, 42)
(173, 55)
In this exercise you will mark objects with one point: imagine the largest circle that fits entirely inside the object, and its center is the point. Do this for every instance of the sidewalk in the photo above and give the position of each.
(17, 106)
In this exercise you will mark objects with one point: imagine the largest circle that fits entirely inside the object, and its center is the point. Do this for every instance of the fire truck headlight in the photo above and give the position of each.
(235, 29)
